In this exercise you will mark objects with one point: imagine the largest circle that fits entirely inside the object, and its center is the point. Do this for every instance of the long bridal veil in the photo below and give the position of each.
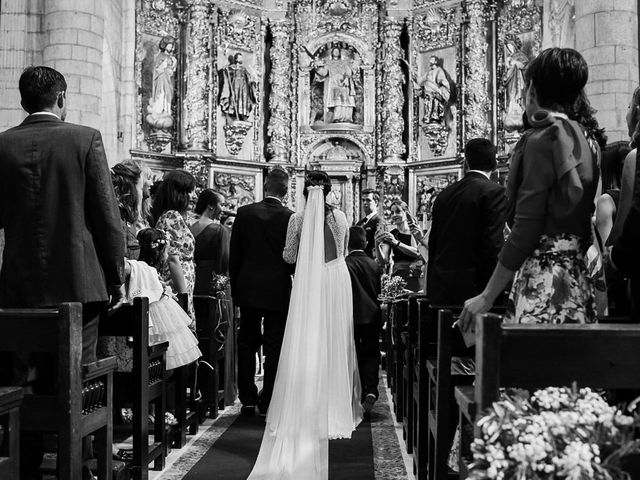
(295, 443)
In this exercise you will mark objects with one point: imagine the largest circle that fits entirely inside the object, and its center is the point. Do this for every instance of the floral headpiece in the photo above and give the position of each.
(160, 241)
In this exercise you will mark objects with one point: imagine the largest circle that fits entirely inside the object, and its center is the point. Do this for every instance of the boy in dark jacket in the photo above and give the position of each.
(365, 282)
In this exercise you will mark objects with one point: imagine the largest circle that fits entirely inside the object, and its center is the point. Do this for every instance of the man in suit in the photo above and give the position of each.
(466, 230)
(371, 219)
(63, 239)
(261, 287)
(365, 285)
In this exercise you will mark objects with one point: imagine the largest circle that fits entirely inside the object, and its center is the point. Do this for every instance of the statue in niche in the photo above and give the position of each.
(338, 76)
(562, 23)
(164, 68)
(237, 90)
(435, 89)
(515, 62)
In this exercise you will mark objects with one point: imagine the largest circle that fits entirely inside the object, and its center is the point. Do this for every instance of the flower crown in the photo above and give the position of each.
(160, 241)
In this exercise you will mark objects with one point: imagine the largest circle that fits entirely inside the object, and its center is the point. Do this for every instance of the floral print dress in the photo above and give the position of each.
(182, 244)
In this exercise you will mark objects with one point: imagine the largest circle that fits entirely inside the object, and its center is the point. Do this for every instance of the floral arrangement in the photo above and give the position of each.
(219, 285)
(557, 433)
(392, 286)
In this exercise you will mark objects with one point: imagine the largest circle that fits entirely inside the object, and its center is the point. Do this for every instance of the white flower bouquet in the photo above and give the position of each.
(392, 286)
(219, 284)
(557, 433)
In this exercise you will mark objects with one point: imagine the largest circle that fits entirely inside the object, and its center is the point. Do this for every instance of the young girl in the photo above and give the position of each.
(167, 320)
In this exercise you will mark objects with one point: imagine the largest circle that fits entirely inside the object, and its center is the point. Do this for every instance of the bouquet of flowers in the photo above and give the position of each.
(393, 286)
(219, 285)
(557, 433)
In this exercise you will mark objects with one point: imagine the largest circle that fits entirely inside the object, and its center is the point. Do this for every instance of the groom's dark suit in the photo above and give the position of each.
(261, 286)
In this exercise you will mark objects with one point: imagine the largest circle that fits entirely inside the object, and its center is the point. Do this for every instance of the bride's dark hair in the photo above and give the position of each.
(318, 178)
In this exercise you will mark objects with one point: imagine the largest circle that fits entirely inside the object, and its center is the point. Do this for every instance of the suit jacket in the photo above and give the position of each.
(365, 285)
(260, 278)
(64, 240)
(370, 228)
(465, 238)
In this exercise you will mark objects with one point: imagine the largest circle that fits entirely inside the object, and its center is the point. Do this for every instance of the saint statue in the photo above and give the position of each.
(164, 69)
(237, 90)
(515, 64)
(435, 89)
(339, 97)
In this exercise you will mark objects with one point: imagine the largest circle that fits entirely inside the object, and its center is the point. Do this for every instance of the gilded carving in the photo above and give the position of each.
(238, 189)
(393, 98)
(197, 75)
(391, 182)
(436, 28)
(278, 129)
(238, 29)
(234, 135)
(428, 186)
(198, 167)
(476, 102)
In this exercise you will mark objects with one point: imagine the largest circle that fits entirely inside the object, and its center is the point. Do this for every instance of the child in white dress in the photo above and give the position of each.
(167, 320)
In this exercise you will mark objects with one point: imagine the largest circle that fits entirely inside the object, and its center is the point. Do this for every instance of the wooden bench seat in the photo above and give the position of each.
(10, 401)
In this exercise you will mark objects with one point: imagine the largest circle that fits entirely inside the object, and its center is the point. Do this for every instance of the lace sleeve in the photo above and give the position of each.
(294, 229)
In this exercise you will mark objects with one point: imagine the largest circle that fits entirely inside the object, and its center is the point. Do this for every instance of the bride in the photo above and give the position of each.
(316, 396)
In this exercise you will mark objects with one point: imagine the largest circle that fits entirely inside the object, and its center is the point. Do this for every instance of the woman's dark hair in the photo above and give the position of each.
(207, 198)
(125, 176)
(39, 88)
(317, 178)
(558, 75)
(635, 106)
(583, 113)
(173, 193)
(613, 156)
(152, 244)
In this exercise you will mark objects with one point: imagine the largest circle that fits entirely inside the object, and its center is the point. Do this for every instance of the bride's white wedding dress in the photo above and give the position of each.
(316, 396)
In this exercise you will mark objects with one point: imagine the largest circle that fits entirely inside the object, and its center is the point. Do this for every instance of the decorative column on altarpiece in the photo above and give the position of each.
(197, 122)
(393, 98)
(476, 100)
(279, 127)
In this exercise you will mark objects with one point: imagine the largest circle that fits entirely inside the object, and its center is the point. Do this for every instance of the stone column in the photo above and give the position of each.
(393, 98)
(607, 37)
(278, 129)
(196, 77)
(73, 45)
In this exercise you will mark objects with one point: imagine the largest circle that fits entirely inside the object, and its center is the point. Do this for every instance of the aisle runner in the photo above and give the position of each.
(373, 453)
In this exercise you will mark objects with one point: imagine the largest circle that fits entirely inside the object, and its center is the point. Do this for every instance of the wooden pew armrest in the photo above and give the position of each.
(465, 397)
(10, 397)
(98, 368)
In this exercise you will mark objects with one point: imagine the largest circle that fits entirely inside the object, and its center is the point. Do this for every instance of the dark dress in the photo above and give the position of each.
(211, 257)
(406, 266)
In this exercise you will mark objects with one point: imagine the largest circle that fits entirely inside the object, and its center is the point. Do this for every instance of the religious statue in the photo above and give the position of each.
(339, 76)
(435, 89)
(514, 85)
(164, 68)
(562, 20)
(237, 90)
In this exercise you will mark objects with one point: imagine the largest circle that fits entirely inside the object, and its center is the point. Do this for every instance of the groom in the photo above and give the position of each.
(261, 286)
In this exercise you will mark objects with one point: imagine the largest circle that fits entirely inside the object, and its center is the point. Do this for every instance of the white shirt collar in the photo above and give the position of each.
(44, 113)
(486, 174)
(370, 216)
(271, 196)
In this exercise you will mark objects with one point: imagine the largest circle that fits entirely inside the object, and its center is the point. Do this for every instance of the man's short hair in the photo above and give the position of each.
(276, 183)
(367, 191)
(480, 154)
(357, 238)
(40, 87)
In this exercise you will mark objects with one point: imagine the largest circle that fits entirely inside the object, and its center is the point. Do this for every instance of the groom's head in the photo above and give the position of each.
(276, 183)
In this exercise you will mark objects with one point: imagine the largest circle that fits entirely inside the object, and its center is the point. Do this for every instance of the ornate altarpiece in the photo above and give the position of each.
(380, 94)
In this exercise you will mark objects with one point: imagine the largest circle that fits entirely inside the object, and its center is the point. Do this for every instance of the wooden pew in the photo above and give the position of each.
(10, 401)
(209, 376)
(538, 356)
(409, 340)
(82, 404)
(398, 320)
(142, 386)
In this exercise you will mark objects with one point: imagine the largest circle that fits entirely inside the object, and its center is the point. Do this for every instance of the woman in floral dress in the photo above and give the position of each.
(552, 183)
(170, 205)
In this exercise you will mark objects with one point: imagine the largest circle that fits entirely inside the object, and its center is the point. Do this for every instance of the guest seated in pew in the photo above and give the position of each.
(551, 188)
(365, 285)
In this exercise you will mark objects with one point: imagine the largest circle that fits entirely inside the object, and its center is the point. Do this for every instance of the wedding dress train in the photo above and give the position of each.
(316, 395)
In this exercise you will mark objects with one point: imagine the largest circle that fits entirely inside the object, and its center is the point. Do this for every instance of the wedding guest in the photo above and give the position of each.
(127, 183)
(62, 226)
(370, 199)
(261, 287)
(170, 205)
(211, 257)
(365, 284)
(551, 188)
(403, 248)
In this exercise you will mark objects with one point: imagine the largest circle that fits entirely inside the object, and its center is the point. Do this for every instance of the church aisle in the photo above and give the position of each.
(229, 447)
